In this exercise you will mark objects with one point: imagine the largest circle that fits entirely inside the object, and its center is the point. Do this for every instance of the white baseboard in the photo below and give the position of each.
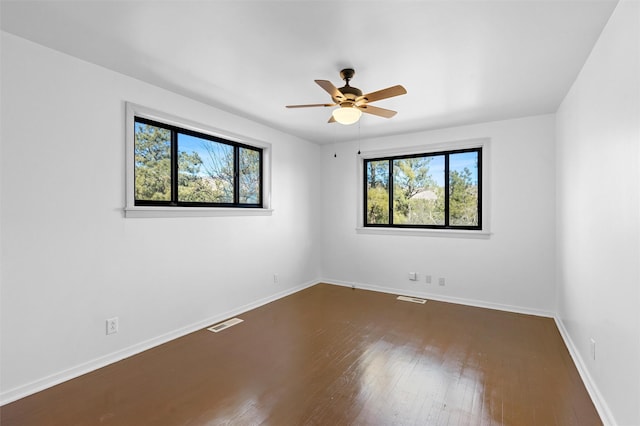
(448, 299)
(7, 396)
(601, 406)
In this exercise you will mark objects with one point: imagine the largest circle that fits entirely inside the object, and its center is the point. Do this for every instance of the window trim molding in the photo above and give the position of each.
(484, 232)
(133, 110)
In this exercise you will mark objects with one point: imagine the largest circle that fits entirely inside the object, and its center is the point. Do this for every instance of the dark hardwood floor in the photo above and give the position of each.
(331, 355)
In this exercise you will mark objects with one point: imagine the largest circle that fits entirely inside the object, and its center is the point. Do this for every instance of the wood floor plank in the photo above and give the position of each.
(332, 355)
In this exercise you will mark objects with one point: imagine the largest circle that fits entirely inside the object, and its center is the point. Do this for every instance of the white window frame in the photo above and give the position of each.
(133, 211)
(484, 143)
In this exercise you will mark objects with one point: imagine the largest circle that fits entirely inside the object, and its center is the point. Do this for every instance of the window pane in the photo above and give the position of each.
(152, 163)
(463, 189)
(378, 192)
(418, 191)
(249, 176)
(205, 170)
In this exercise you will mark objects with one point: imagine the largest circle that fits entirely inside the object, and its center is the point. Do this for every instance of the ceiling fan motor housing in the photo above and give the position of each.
(351, 94)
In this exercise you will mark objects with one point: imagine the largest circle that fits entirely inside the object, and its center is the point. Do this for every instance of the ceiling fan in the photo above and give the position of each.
(352, 102)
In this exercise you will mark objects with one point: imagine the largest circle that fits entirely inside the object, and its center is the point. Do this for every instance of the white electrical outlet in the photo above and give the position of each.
(112, 325)
(413, 276)
(276, 280)
(427, 279)
(441, 281)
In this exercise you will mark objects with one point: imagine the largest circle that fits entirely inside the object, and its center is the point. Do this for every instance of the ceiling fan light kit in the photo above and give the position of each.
(352, 103)
(346, 114)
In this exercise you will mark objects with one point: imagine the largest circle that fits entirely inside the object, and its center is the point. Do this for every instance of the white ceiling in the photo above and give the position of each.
(461, 61)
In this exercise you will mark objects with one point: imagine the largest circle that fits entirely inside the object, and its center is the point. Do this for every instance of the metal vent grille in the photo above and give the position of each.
(224, 325)
(412, 299)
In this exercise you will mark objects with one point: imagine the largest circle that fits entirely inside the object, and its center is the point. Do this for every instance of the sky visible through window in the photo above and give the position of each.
(204, 148)
(457, 162)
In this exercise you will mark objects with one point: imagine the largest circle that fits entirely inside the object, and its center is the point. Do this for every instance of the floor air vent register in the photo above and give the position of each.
(224, 325)
(412, 299)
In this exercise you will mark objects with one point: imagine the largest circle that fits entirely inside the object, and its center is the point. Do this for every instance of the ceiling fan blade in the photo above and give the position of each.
(310, 105)
(330, 89)
(389, 92)
(382, 112)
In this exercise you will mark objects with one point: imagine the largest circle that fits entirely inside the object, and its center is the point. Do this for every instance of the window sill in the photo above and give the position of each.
(449, 233)
(142, 212)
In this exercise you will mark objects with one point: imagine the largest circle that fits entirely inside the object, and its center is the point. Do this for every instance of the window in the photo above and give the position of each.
(176, 166)
(179, 167)
(437, 190)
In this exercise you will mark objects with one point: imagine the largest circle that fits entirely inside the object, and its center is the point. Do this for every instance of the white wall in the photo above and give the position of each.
(598, 215)
(69, 257)
(512, 269)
